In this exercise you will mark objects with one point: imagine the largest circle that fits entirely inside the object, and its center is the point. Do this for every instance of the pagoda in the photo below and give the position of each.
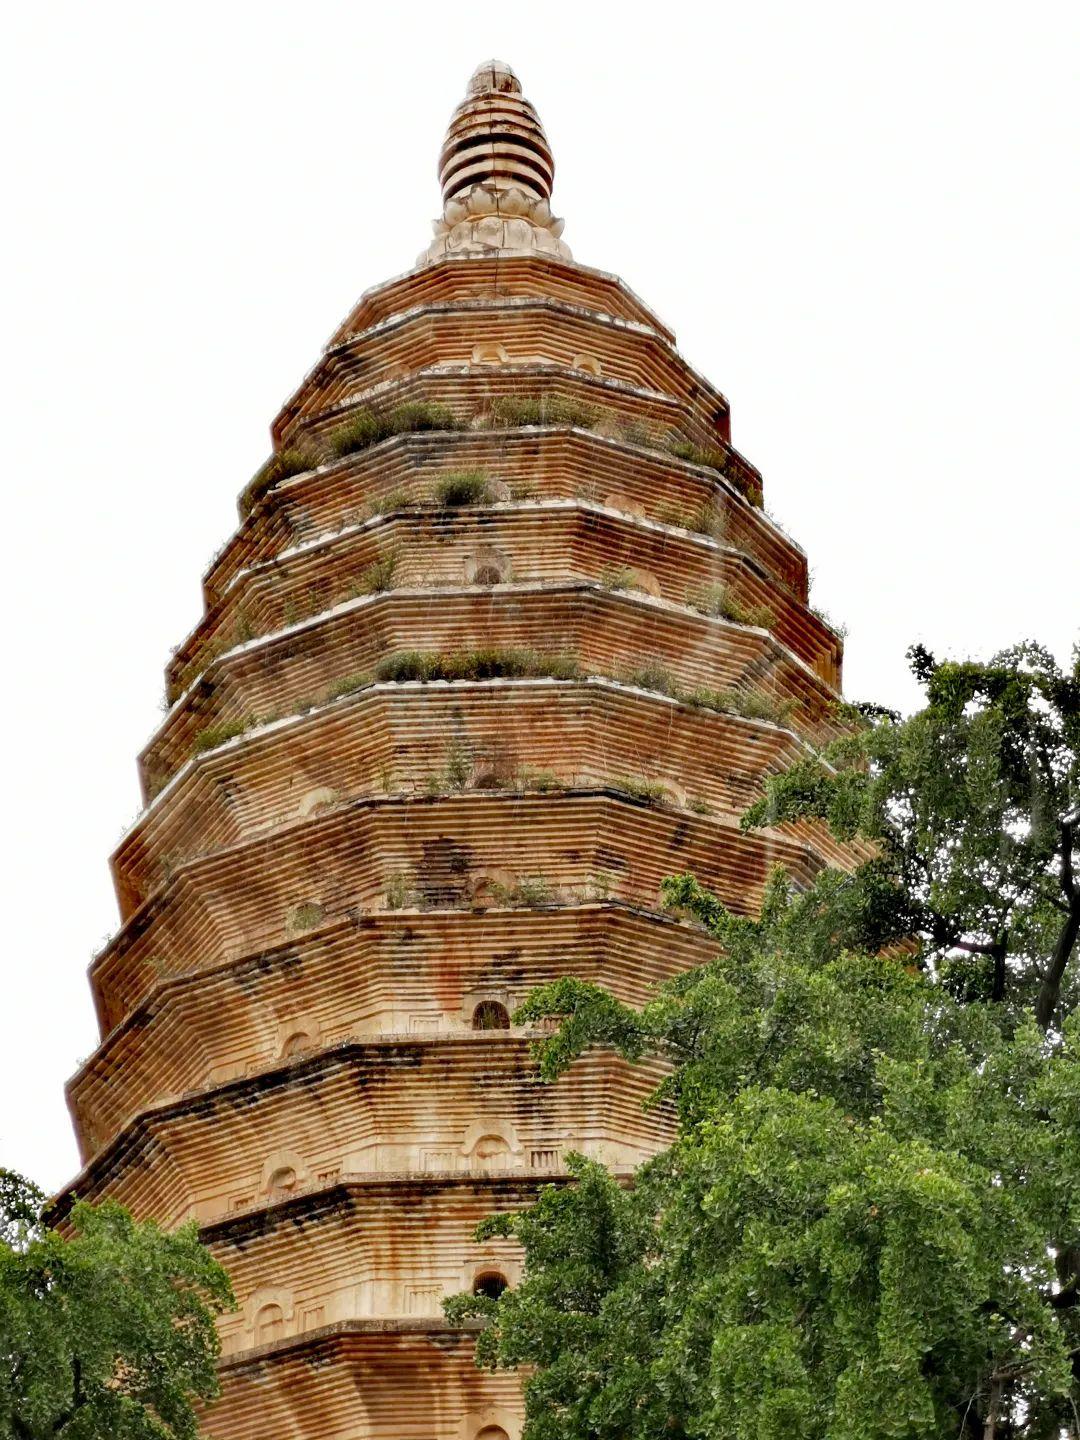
(503, 638)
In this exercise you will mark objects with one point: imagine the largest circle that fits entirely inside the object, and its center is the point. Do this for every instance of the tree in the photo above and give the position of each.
(867, 1226)
(107, 1333)
(974, 805)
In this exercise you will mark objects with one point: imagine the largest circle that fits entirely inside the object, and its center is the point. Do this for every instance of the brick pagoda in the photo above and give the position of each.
(503, 638)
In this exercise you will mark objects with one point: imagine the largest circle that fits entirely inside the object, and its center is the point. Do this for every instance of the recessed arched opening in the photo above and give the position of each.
(269, 1324)
(490, 353)
(491, 1015)
(491, 1152)
(491, 1283)
(283, 1181)
(492, 1432)
(297, 1043)
(589, 363)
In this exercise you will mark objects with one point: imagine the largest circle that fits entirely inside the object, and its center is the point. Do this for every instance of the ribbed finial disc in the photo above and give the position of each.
(495, 139)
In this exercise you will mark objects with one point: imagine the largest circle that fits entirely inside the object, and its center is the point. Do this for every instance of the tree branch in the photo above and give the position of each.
(1050, 990)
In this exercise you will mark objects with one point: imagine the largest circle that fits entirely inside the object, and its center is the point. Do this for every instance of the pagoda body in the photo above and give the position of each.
(504, 637)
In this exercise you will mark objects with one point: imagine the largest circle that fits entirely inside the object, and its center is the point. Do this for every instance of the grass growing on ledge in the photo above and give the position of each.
(347, 685)
(506, 663)
(486, 664)
(719, 601)
(304, 917)
(529, 891)
(377, 577)
(401, 892)
(366, 427)
(463, 487)
(651, 792)
(703, 519)
(650, 675)
(750, 704)
(618, 577)
(214, 735)
(510, 411)
(292, 461)
(711, 457)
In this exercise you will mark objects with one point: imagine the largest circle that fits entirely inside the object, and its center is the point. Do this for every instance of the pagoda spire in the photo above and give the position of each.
(496, 172)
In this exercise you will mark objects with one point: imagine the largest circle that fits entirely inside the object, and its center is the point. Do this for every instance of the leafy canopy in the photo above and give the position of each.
(108, 1334)
(868, 1224)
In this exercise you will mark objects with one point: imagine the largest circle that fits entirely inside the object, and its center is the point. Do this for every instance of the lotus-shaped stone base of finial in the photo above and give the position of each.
(482, 219)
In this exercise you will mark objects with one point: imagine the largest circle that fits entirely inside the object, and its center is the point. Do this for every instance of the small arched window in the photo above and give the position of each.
(282, 1181)
(492, 1432)
(297, 1043)
(589, 363)
(490, 354)
(491, 1152)
(491, 1283)
(491, 1015)
(269, 1324)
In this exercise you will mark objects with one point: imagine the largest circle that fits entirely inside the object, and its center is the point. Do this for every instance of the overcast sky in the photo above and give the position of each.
(861, 220)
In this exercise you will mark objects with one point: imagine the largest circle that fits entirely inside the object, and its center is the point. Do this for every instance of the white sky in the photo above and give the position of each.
(861, 220)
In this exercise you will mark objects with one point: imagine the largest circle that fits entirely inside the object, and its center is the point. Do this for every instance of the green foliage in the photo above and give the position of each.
(650, 675)
(463, 487)
(973, 803)
(712, 456)
(848, 1239)
(108, 1334)
(378, 576)
(639, 788)
(618, 577)
(367, 426)
(347, 685)
(868, 1224)
(304, 917)
(487, 664)
(211, 736)
(719, 600)
(750, 704)
(703, 519)
(525, 893)
(511, 411)
(291, 461)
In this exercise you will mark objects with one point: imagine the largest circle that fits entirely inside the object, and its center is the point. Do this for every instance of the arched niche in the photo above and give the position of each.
(491, 1145)
(283, 1174)
(490, 1423)
(492, 887)
(297, 1035)
(489, 352)
(589, 363)
(315, 801)
(490, 1015)
(486, 565)
(268, 1314)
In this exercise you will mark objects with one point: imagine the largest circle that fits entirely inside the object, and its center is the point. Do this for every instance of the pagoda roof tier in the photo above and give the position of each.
(501, 333)
(443, 1103)
(617, 634)
(365, 1380)
(365, 1248)
(539, 462)
(491, 544)
(460, 849)
(468, 391)
(478, 277)
(414, 738)
(398, 973)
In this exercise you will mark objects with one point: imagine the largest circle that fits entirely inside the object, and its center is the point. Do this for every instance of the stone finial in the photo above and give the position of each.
(496, 173)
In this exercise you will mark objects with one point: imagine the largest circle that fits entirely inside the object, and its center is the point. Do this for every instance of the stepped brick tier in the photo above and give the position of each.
(504, 637)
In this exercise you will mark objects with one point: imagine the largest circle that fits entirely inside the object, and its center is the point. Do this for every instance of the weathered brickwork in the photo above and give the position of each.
(503, 638)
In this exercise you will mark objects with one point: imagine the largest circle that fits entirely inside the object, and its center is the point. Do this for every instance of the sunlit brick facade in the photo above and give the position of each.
(348, 874)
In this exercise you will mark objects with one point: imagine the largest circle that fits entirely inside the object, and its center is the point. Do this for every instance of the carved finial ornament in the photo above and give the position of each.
(496, 173)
